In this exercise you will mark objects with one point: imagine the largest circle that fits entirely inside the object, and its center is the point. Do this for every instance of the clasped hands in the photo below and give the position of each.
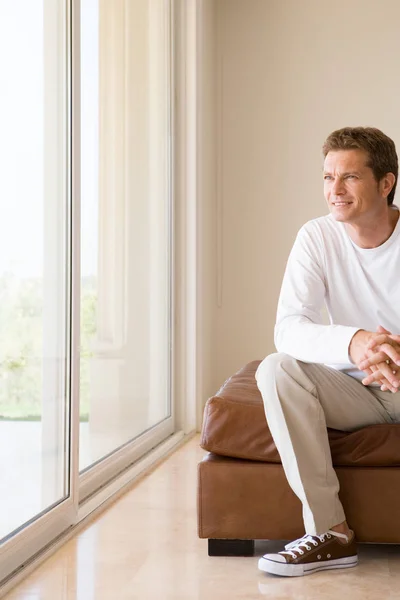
(380, 359)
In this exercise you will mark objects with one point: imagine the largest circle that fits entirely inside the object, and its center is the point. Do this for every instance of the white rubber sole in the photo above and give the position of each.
(289, 570)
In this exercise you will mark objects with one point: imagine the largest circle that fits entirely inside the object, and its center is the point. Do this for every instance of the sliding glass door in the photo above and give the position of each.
(35, 274)
(126, 223)
(33, 260)
(86, 246)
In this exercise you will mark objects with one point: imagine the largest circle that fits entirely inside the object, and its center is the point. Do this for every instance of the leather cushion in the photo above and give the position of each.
(234, 425)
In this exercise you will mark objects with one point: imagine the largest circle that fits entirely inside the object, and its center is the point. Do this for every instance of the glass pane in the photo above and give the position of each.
(125, 304)
(32, 259)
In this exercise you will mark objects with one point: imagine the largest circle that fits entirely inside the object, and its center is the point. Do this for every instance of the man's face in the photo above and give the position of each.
(350, 187)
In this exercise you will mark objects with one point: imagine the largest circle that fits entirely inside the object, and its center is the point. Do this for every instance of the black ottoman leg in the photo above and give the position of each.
(230, 547)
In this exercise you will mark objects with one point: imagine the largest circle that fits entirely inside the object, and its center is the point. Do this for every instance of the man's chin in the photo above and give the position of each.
(339, 218)
(339, 215)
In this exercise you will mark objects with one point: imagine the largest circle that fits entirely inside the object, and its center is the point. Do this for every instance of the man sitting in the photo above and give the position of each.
(344, 375)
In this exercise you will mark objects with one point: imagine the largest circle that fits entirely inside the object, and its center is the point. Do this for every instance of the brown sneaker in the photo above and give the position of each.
(312, 553)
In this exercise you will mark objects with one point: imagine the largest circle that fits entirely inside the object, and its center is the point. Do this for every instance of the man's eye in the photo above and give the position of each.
(351, 177)
(327, 177)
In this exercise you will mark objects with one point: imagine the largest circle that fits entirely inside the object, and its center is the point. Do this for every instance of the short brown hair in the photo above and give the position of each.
(380, 148)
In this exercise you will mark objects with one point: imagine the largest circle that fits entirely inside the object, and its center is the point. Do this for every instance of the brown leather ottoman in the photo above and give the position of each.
(243, 494)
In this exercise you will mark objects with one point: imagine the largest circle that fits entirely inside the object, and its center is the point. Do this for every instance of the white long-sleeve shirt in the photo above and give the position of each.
(359, 287)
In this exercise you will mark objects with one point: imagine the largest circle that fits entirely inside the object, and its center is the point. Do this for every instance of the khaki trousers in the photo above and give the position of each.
(301, 400)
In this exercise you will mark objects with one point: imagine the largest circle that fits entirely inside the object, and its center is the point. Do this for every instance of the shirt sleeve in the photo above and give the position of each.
(299, 331)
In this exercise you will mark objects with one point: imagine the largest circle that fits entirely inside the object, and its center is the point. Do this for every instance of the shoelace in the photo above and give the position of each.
(304, 543)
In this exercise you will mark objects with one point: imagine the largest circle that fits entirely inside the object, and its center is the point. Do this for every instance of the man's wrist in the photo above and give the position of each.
(358, 345)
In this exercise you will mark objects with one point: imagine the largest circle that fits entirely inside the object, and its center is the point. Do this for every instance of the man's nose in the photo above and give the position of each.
(338, 187)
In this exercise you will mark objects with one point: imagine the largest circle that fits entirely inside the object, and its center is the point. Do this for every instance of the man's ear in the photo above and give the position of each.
(387, 183)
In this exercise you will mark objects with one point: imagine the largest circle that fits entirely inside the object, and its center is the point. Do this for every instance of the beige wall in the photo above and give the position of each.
(287, 73)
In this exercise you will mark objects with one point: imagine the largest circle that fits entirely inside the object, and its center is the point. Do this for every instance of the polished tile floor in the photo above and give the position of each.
(145, 546)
